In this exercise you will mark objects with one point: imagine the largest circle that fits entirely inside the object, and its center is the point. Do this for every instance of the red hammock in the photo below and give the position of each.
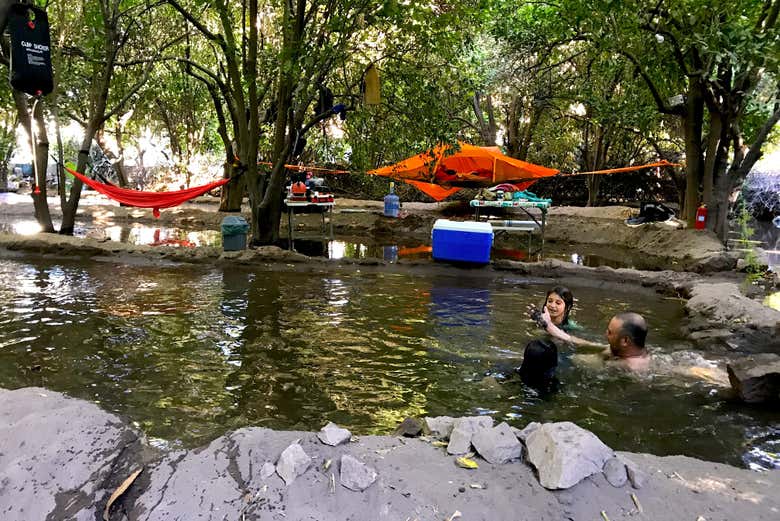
(154, 200)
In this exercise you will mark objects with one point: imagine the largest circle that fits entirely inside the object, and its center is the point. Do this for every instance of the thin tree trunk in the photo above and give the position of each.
(40, 145)
(693, 123)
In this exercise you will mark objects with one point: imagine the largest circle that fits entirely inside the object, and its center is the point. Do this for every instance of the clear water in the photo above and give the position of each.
(189, 353)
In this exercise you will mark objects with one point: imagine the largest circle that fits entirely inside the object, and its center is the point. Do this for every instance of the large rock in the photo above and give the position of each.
(60, 458)
(497, 445)
(723, 305)
(292, 463)
(333, 435)
(463, 430)
(440, 426)
(460, 441)
(564, 454)
(356, 475)
(523, 434)
(756, 378)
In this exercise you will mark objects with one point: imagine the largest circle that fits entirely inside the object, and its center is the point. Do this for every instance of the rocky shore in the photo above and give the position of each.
(63, 459)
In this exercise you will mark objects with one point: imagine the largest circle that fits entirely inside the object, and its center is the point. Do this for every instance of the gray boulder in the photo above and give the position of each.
(333, 435)
(440, 426)
(565, 454)
(355, 475)
(497, 445)
(460, 441)
(756, 378)
(615, 472)
(410, 428)
(292, 463)
(523, 434)
(463, 430)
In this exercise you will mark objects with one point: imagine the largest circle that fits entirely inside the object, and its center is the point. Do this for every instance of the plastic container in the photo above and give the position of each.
(392, 203)
(458, 241)
(234, 230)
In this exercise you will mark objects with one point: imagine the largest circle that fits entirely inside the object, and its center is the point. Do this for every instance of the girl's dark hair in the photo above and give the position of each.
(540, 361)
(568, 300)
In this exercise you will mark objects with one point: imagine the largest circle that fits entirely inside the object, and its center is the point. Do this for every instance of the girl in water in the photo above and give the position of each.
(558, 304)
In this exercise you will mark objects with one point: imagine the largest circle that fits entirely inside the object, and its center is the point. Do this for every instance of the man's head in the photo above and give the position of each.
(626, 334)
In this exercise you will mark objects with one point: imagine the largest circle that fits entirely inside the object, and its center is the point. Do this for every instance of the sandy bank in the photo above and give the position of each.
(667, 247)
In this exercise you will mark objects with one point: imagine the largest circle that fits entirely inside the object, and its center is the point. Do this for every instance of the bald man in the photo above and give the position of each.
(626, 335)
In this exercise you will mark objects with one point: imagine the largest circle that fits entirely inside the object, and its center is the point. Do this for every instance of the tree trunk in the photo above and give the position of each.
(593, 182)
(40, 145)
(692, 124)
(232, 194)
(71, 206)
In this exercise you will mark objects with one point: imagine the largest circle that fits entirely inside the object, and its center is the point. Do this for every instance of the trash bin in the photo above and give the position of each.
(234, 230)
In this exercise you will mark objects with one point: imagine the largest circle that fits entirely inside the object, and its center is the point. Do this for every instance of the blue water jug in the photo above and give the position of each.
(392, 203)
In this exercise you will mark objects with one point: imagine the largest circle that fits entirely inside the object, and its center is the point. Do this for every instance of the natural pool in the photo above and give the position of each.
(189, 353)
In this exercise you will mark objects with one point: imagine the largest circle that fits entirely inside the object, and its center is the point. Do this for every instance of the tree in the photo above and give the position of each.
(114, 37)
(714, 65)
(285, 56)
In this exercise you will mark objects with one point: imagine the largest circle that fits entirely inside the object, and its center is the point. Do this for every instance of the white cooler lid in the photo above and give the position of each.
(463, 226)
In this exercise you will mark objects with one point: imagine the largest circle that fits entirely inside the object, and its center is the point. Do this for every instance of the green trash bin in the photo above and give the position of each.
(234, 230)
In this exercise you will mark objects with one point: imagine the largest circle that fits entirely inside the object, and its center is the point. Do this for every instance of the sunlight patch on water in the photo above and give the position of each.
(27, 228)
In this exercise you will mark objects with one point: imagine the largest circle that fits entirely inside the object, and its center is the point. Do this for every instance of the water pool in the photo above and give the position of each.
(189, 353)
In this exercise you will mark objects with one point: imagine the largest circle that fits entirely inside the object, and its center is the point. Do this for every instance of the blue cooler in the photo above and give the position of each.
(462, 241)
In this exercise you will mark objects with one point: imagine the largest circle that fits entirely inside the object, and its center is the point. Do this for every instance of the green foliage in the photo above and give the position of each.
(753, 267)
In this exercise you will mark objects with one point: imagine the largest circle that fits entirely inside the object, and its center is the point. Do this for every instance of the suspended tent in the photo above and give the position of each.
(444, 169)
(140, 199)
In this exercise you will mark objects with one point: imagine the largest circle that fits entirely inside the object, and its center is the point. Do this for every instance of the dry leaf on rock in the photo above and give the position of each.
(119, 491)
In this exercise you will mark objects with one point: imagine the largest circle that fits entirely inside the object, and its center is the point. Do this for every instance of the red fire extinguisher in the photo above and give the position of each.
(701, 217)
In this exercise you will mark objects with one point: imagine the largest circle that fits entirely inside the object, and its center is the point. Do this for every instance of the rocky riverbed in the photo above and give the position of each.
(62, 459)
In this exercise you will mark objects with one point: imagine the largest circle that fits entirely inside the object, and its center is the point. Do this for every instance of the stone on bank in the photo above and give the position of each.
(565, 454)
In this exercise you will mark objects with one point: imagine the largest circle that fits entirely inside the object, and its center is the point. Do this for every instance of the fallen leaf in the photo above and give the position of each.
(476, 485)
(455, 515)
(594, 411)
(439, 444)
(119, 491)
(327, 464)
(636, 502)
(466, 463)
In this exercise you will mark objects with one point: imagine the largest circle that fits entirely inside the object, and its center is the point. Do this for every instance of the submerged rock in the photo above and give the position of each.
(497, 445)
(756, 378)
(355, 475)
(292, 463)
(333, 435)
(565, 454)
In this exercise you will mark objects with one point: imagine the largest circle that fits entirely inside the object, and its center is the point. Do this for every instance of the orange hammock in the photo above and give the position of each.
(154, 200)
